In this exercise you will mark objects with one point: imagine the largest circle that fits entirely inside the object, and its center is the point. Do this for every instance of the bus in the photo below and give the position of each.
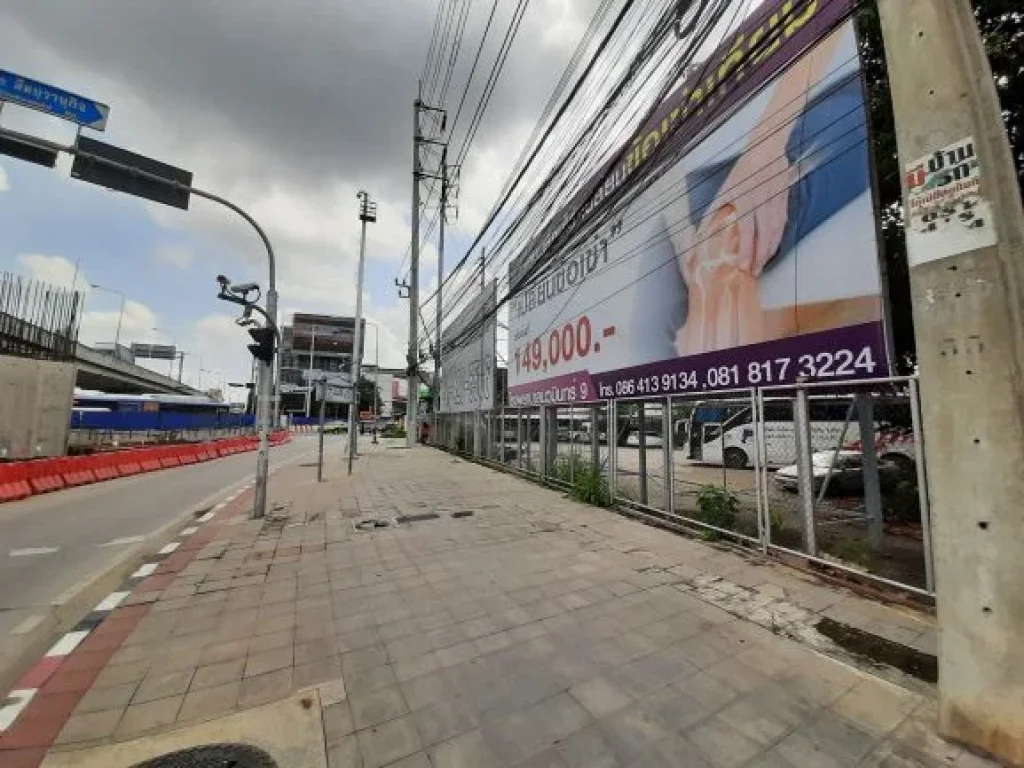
(722, 431)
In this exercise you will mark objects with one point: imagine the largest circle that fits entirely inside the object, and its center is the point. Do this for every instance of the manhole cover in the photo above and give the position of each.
(213, 756)
(417, 518)
(370, 525)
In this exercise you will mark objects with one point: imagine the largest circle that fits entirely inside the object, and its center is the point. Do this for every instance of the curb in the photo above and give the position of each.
(30, 683)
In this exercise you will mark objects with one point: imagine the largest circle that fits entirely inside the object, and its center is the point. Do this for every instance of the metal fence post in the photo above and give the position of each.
(869, 469)
(805, 468)
(668, 457)
(922, 487)
(519, 438)
(595, 442)
(762, 481)
(613, 444)
(755, 413)
(544, 427)
(642, 449)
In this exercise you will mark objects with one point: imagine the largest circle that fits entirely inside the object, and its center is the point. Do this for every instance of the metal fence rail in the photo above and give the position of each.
(833, 473)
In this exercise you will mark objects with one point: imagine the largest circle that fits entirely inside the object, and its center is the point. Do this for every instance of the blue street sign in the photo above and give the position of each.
(46, 98)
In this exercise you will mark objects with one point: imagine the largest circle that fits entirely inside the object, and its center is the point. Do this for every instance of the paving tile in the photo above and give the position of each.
(721, 744)
(317, 672)
(369, 709)
(671, 752)
(266, 687)
(150, 715)
(424, 690)
(388, 742)
(337, 720)
(468, 750)
(160, 686)
(268, 661)
(344, 753)
(600, 696)
(827, 741)
(210, 701)
(271, 641)
(218, 674)
(109, 697)
(225, 651)
(443, 720)
(89, 726)
(876, 706)
(521, 734)
(372, 679)
(414, 666)
(765, 715)
(590, 747)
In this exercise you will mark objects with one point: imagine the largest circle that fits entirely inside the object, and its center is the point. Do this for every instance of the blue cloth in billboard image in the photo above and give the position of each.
(769, 232)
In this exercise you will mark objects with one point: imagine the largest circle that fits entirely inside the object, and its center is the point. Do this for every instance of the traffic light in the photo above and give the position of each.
(263, 349)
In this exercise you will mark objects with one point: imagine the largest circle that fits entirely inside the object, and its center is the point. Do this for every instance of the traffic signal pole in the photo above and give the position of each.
(965, 247)
(262, 460)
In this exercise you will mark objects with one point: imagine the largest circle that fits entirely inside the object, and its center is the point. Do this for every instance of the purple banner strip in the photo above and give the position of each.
(842, 354)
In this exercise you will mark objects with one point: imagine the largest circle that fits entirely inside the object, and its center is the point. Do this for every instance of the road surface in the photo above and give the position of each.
(53, 542)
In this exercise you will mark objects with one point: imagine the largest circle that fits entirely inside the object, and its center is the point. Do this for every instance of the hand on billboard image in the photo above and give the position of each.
(747, 213)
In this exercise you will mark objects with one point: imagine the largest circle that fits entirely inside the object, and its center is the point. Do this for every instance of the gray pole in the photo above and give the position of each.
(967, 290)
(412, 396)
(320, 449)
(357, 344)
(440, 285)
(805, 468)
(309, 384)
(117, 333)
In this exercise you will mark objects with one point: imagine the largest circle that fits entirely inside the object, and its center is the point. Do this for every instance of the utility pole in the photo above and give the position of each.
(367, 213)
(965, 246)
(480, 379)
(412, 358)
(412, 401)
(443, 215)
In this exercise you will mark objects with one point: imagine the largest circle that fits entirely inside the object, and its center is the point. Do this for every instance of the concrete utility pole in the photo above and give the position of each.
(443, 214)
(412, 358)
(367, 213)
(965, 245)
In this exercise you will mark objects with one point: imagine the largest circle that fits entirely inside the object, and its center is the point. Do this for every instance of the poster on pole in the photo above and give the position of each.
(752, 257)
(468, 362)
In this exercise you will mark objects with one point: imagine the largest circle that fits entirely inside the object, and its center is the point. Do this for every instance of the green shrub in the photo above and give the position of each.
(589, 484)
(717, 506)
(393, 432)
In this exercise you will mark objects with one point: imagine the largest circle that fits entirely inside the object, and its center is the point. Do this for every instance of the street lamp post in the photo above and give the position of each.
(367, 213)
(120, 316)
(170, 369)
(376, 373)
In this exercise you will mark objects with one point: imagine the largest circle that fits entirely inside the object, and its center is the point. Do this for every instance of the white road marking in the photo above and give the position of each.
(170, 548)
(111, 601)
(30, 551)
(207, 517)
(27, 624)
(189, 531)
(123, 540)
(144, 570)
(18, 700)
(68, 643)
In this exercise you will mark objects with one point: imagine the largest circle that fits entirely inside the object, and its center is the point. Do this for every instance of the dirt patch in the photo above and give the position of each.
(876, 649)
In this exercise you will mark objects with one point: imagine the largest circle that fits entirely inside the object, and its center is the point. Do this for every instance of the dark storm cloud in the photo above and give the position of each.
(322, 88)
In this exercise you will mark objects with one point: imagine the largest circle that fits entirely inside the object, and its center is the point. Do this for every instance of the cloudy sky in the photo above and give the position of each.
(287, 109)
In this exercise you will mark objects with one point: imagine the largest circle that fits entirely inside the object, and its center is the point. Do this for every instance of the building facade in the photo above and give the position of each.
(311, 347)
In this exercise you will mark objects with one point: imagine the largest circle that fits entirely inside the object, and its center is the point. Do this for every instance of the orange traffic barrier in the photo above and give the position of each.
(13, 482)
(169, 457)
(187, 455)
(75, 471)
(128, 462)
(44, 475)
(149, 459)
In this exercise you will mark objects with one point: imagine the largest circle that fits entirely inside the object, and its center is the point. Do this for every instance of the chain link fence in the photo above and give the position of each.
(831, 473)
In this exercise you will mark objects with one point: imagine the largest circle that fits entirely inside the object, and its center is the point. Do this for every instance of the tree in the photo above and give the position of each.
(369, 395)
(1002, 28)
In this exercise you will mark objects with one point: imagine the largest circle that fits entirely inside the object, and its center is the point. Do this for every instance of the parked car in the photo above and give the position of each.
(847, 474)
(650, 440)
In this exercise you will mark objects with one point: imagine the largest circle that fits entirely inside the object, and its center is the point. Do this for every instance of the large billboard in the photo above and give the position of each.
(751, 260)
(467, 368)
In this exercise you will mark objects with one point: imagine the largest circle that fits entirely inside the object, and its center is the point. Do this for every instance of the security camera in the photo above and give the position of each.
(244, 322)
(224, 282)
(244, 288)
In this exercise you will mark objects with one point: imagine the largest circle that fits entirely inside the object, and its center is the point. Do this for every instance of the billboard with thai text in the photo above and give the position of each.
(467, 367)
(752, 257)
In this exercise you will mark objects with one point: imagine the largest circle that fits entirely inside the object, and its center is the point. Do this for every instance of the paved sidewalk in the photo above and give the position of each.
(500, 624)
